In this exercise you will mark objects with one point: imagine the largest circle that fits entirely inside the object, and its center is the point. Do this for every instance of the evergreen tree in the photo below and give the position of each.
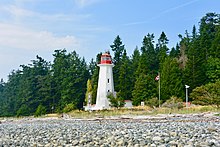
(162, 48)
(144, 89)
(59, 67)
(213, 69)
(134, 66)
(2, 87)
(125, 78)
(92, 67)
(215, 47)
(69, 73)
(135, 59)
(42, 86)
(94, 78)
(118, 49)
(147, 67)
(200, 50)
(35, 84)
(24, 88)
(88, 92)
(76, 76)
(147, 63)
(171, 79)
(10, 94)
(175, 52)
(194, 33)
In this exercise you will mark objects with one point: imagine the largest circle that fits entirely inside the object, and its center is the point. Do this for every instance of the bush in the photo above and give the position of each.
(24, 110)
(208, 94)
(153, 102)
(69, 107)
(173, 102)
(41, 110)
(115, 101)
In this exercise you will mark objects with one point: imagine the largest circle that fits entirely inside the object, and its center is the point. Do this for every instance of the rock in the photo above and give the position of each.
(173, 143)
(188, 146)
(39, 145)
(212, 129)
(162, 145)
(153, 145)
(120, 143)
(204, 144)
(75, 143)
(157, 138)
(136, 145)
(41, 132)
(47, 145)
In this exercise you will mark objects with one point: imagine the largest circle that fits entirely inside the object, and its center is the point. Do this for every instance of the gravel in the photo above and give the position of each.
(171, 131)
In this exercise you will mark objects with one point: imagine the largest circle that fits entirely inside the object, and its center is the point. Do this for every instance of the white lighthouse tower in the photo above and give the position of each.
(105, 82)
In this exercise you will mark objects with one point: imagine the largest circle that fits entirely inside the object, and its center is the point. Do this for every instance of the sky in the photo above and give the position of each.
(38, 27)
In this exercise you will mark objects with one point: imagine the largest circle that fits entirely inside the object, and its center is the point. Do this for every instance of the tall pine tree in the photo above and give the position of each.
(118, 49)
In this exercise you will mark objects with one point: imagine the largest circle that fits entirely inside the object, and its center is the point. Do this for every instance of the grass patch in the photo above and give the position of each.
(141, 110)
(111, 112)
(53, 115)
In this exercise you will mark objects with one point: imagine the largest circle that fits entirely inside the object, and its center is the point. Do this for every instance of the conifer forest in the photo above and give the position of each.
(61, 85)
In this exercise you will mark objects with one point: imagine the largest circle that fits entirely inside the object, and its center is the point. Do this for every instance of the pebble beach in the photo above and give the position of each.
(196, 130)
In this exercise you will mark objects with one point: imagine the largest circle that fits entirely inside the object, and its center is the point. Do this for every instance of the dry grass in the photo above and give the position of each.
(53, 115)
(141, 110)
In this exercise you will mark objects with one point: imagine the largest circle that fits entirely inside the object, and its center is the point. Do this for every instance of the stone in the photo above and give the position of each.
(188, 146)
(162, 145)
(153, 145)
(48, 145)
(157, 138)
(110, 133)
(136, 145)
(173, 143)
(204, 144)
(212, 129)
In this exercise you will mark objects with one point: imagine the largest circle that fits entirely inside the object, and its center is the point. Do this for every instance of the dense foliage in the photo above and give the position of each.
(42, 87)
(207, 94)
(63, 85)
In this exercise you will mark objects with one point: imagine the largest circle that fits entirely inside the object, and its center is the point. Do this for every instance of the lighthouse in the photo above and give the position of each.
(105, 82)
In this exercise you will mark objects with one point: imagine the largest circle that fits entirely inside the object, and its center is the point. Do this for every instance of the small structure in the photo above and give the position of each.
(105, 82)
(128, 104)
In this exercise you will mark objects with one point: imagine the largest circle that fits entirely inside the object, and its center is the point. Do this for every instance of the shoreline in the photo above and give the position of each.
(205, 116)
(133, 131)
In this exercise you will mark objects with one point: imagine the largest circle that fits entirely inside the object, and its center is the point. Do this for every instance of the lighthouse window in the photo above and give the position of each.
(106, 58)
(108, 90)
(108, 80)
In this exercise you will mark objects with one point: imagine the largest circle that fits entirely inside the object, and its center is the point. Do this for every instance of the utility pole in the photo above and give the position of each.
(158, 79)
(159, 89)
(187, 95)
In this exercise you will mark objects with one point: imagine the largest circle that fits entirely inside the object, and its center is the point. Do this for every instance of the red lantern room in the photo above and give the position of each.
(106, 58)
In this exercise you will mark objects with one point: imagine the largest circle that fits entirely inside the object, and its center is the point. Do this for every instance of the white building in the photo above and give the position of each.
(105, 82)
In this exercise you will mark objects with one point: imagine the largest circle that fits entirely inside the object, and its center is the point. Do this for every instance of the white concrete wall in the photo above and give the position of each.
(105, 85)
(128, 104)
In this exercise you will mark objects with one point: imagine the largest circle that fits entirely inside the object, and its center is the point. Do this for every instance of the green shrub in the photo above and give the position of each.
(24, 110)
(153, 102)
(115, 101)
(69, 107)
(208, 94)
(41, 110)
(173, 102)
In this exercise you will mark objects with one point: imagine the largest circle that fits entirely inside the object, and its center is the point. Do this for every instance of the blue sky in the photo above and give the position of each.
(38, 27)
